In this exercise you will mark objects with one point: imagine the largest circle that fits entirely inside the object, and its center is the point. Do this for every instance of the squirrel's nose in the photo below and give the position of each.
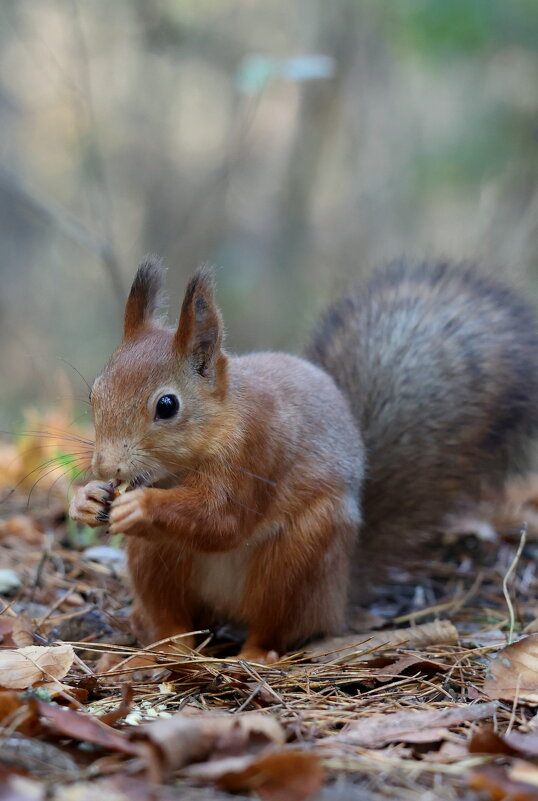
(106, 467)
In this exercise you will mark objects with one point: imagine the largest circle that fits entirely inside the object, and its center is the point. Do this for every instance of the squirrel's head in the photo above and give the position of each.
(158, 403)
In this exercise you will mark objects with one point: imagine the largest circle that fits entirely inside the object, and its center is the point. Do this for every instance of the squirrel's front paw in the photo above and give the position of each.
(91, 503)
(128, 510)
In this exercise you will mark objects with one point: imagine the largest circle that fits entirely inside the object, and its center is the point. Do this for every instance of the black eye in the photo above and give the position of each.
(167, 407)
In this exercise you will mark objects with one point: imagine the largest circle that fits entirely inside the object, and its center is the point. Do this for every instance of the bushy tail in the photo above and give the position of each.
(440, 367)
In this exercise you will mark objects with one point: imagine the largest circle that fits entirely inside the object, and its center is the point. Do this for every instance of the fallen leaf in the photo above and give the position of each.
(522, 771)
(56, 689)
(493, 637)
(522, 743)
(486, 741)
(6, 627)
(532, 627)
(123, 709)
(121, 788)
(36, 757)
(415, 661)
(22, 527)
(88, 728)
(24, 667)
(16, 715)
(513, 672)
(448, 753)
(21, 788)
(357, 647)
(500, 786)
(23, 631)
(183, 739)
(85, 727)
(276, 776)
(411, 726)
(9, 703)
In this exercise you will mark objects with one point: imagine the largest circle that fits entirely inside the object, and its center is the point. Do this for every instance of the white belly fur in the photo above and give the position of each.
(219, 578)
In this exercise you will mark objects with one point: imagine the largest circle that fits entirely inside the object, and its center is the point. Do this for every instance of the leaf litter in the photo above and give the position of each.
(427, 699)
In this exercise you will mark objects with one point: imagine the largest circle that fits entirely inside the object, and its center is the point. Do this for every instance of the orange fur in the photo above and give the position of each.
(245, 499)
(252, 505)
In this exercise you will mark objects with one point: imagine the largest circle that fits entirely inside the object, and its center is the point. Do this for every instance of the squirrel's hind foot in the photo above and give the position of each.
(260, 656)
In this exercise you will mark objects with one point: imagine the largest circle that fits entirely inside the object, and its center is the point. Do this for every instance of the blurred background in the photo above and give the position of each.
(291, 144)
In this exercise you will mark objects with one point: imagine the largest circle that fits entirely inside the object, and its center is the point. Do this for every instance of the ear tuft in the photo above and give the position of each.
(145, 298)
(200, 331)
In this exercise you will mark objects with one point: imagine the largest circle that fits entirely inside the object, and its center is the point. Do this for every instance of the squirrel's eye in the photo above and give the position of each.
(167, 407)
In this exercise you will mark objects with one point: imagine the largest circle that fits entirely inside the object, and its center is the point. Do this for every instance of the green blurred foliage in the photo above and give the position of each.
(459, 28)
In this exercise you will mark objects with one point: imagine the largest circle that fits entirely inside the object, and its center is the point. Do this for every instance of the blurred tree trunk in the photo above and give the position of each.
(333, 34)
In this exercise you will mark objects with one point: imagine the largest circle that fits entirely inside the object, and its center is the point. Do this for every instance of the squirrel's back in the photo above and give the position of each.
(440, 367)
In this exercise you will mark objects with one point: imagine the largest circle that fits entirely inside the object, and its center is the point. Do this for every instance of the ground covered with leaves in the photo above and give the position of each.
(433, 696)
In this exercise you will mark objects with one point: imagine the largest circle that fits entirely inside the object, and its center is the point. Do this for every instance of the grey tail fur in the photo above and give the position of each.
(440, 367)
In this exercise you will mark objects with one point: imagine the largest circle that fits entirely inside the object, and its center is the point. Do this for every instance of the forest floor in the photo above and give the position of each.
(430, 700)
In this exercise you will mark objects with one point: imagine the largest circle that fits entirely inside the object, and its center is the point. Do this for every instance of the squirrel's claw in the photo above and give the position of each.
(90, 504)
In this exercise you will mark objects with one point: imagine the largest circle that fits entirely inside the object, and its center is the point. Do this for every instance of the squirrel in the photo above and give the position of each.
(253, 479)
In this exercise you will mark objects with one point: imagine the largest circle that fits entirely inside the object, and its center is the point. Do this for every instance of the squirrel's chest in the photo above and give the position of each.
(219, 579)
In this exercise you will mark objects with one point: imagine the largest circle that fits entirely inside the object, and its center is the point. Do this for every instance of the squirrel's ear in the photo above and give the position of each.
(144, 298)
(200, 330)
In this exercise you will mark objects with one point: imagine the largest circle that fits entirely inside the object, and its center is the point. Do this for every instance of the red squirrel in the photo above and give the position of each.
(249, 476)
(245, 475)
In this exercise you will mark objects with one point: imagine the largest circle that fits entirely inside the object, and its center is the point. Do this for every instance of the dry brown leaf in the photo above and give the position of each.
(414, 661)
(88, 728)
(127, 694)
(283, 775)
(513, 672)
(21, 788)
(9, 703)
(183, 739)
(122, 787)
(487, 741)
(411, 726)
(532, 627)
(523, 743)
(37, 758)
(22, 631)
(449, 753)
(522, 771)
(16, 715)
(85, 727)
(56, 689)
(500, 786)
(6, 627)
(23, 527)
(357, 647)
(24, 667)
